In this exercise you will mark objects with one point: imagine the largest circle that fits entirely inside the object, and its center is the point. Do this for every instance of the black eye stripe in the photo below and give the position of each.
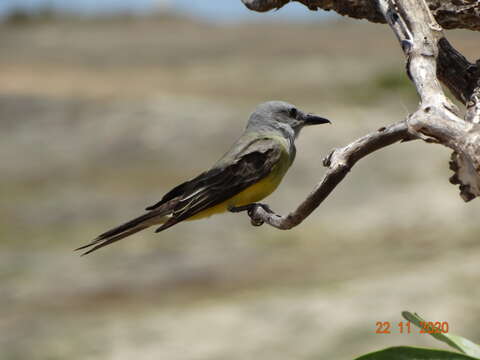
(293, 112)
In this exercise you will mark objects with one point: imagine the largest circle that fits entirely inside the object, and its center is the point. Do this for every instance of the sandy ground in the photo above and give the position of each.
(99, 119)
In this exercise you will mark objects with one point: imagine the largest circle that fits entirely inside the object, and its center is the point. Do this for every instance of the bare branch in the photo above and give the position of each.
(339, 162)
(458, 14)
(420, 35)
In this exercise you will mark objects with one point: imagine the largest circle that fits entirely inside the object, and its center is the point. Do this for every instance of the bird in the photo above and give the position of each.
(248, 172)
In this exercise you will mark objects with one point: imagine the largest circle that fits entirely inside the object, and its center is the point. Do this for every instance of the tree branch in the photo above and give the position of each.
(430, 57)
(450, 14)
(436, 118)
(339, 162)
(456, 72)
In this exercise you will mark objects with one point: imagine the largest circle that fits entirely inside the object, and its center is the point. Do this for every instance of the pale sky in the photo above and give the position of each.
(217, 10)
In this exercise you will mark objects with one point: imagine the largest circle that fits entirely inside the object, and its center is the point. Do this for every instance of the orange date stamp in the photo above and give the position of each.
(405, 327)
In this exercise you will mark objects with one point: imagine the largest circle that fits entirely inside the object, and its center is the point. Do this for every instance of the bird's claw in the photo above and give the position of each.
(251, 211)
(255, 220)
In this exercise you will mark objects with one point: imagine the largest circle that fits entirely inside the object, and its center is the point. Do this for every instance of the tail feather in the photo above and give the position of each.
(130, 227)
(126, 226)
(104, 242)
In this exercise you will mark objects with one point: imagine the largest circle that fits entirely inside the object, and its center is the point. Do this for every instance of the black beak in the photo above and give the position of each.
(310, 119)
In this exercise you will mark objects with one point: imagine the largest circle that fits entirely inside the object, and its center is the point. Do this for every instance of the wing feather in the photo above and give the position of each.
(219, 184)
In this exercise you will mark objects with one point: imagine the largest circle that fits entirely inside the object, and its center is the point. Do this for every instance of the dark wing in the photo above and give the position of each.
(175, 192)
(219, 184)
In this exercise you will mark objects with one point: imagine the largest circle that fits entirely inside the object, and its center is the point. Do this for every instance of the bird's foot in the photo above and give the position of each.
(250, 208)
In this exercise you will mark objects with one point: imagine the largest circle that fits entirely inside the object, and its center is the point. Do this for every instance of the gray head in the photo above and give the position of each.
(282, 116)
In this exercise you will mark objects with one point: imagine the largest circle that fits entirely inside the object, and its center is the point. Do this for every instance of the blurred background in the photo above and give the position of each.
(104, 106)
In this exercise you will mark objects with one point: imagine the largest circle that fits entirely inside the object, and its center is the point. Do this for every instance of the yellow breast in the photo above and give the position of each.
(254, 193)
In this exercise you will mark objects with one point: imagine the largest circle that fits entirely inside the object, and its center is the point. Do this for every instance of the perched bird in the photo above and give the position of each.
(251, 170)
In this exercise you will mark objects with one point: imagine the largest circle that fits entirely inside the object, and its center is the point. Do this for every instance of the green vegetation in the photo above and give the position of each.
(466, 348)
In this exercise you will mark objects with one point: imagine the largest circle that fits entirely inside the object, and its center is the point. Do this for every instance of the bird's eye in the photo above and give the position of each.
(293, 112)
